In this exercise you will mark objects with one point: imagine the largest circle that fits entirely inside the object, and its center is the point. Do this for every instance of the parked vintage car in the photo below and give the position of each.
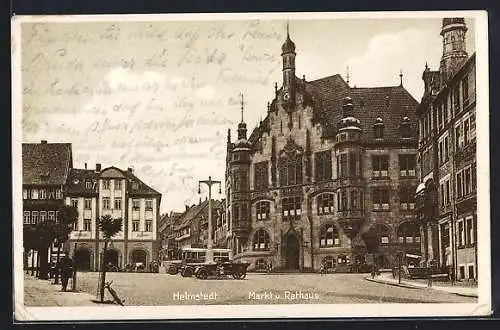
(238, 270)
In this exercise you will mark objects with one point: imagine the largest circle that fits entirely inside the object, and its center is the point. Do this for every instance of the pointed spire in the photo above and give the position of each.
(400, 77)
(347, 75)
(288, 29)
(242, 103)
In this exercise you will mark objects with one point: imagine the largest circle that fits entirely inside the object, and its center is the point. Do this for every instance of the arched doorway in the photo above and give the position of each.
(82, 259)
(111, 257)
(139, 256)
(292, 252)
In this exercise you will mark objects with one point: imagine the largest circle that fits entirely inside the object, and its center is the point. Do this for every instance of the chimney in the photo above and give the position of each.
(98, 167)
(85, 165)
(44, 141)
(130, 170)
(187, 207)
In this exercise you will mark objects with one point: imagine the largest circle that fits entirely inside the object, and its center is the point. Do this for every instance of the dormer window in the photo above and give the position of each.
(378, 128)
(405, 129)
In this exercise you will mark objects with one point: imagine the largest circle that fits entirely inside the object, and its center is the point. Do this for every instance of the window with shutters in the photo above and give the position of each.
(291, 208)
(380, 166)
(261, 240)
(329, 236)
(380, 198)
(262, 210)
(407, 165)
(325, 203)
(407, 198)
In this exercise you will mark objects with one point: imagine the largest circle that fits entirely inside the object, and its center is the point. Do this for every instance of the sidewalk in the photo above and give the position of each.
(44, 293)
(461, 290)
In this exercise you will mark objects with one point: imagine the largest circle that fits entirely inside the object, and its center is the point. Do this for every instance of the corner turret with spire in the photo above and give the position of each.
(288, 56)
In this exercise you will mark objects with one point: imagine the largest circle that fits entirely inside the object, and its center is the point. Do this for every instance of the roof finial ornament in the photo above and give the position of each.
(288, 29)
(347, 75)
(276, 88)
(242, 102)
(400, 77)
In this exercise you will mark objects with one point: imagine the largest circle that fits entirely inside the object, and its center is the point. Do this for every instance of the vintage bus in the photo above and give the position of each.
(189, 258)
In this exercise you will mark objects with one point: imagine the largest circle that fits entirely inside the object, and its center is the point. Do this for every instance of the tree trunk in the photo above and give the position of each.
(57, 264)
(103, 270)
(32, 262)
(37, 262)
(44, 263)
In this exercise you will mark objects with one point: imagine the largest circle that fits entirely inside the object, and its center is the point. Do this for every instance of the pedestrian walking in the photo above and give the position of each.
(269, 266)
(66, 271)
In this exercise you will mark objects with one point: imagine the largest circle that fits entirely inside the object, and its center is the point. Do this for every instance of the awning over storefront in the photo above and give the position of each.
(413, 256)
(420, 188)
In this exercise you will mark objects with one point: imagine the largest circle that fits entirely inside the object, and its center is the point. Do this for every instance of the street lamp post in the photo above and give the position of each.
(210, 253)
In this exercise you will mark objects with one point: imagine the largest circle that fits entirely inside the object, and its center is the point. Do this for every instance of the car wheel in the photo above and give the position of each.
(188, 272)
(202, 274)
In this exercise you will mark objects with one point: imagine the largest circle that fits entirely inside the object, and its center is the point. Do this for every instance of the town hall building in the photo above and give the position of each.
(329, 176)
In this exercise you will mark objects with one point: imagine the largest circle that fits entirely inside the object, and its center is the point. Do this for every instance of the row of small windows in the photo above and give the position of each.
(407, 233)
(348, 165)
(148, 225)
(34, 217)
(440, 112)
(347, 199)
(42, 193)
(106, 201)
(107, 183)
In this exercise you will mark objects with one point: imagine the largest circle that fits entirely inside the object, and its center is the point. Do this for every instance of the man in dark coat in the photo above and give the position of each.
(66, 271)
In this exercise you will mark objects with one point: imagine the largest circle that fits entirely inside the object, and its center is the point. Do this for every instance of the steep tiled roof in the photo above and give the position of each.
(194, 211)
(141, 188)
(77, 181)
(46, 163)
(391, 104)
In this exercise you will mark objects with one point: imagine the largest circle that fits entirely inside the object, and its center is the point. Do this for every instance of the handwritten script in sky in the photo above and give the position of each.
(160, 96)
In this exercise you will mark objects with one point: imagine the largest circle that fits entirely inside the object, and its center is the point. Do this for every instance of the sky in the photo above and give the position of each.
(159, 96)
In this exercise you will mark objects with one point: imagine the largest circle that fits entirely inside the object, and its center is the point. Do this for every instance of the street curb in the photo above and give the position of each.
(466, 295)
(408, 286)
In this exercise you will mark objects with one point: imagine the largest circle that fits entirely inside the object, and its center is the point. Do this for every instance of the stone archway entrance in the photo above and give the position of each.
(82, 259)
(292, 252)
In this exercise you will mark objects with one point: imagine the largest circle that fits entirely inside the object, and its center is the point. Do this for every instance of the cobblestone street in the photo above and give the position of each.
(44, 293)
(148, 289)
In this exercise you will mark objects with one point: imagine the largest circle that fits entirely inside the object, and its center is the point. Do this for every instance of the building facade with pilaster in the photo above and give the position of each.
(447, 207)
(120, 194)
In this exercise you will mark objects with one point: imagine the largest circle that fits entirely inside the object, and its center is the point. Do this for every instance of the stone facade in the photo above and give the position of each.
(447, 149)
(327, 176)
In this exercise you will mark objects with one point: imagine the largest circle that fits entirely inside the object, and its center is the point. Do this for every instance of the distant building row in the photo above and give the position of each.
(189, 229)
